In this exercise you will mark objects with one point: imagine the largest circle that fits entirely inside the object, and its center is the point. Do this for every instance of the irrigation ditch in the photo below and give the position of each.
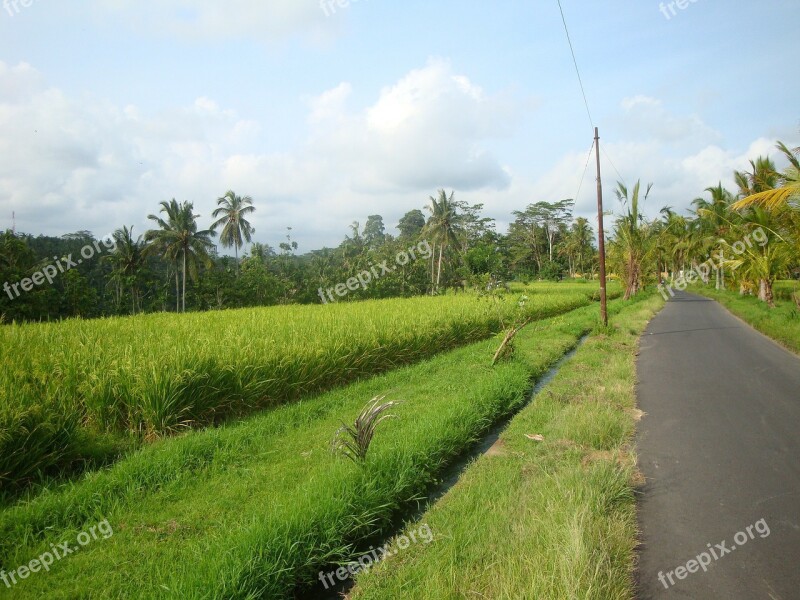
(449, 477)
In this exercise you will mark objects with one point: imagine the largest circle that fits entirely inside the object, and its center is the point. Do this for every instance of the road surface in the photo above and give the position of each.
(719, 447)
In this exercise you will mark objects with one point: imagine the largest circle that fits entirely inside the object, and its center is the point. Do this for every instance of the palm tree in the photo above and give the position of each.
(236, 229)
(578, 245)
(178, 239)
(761, 263)
(632, 240)
(126, 263)
(714, 220)
(444, 226)
(783, 189)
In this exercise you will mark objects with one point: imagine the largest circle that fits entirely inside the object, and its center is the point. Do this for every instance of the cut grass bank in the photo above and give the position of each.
(551, 519)
(258, 509)
(781, 323)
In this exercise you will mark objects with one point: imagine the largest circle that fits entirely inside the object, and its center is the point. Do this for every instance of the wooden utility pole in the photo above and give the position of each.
(601, 241)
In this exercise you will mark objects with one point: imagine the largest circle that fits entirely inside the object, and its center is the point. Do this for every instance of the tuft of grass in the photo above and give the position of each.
(550, 512)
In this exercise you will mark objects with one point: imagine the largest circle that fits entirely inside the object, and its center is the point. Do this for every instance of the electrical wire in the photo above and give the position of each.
(575, 62)
(608, 158)
(586, 168)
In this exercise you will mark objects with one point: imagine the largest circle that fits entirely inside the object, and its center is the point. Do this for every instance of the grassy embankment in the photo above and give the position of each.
(80, 392)
(550, 520)
(258, 508)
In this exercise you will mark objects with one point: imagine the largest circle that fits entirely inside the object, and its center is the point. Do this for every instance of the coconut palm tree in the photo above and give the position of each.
(714, 221)
(126, 262)
(444, 226)
(762, 177)
(760, 263)
(632, 240)
(784, 188)
(231, 216)
(179, 241)
(578, 245)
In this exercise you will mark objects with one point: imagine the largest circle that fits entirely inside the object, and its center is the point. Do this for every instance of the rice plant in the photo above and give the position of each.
(150, 376)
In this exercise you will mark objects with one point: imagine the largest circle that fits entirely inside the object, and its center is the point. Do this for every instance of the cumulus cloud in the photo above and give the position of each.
(425, 131)
(81, 163)
(71, 163)
(647, 116)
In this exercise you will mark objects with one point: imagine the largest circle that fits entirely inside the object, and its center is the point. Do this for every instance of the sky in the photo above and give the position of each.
(328, 112)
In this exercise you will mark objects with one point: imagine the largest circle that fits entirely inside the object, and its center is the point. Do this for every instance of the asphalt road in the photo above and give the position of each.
(719, 447)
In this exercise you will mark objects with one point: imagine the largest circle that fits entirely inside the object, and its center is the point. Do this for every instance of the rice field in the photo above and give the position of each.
(78, 390)
(256, 509)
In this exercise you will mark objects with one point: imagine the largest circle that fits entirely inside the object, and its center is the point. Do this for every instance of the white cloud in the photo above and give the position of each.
(645, 116)
(80, 163)
(426, 131)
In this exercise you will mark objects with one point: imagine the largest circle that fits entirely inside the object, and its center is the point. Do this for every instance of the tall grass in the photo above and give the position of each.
(153, 375)
(552, 519)
(256, 509)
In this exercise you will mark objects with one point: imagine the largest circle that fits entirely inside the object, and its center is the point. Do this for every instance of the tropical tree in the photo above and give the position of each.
(783, 189)
(759, 263)
(180, 242)
(412, 224)
(578, 245)
(761, 177)
(374, 231)
(537, 231)
(714, 222)
(230, 215)
(632, 242)
(445, 227)
(127, 261)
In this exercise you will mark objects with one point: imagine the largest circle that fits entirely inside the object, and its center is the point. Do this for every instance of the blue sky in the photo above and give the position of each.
(108, 107)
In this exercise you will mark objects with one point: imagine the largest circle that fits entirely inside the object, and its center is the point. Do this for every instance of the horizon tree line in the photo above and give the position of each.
(545, 241)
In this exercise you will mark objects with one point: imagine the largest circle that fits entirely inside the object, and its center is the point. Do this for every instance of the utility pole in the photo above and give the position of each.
(601, 241)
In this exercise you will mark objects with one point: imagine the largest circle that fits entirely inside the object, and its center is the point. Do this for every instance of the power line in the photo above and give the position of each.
(575, 62)
(586, 168)
(608, 158)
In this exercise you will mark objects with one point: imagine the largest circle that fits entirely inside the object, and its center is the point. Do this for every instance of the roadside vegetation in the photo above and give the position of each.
(257, 509)
(745, 240)
(549, 512)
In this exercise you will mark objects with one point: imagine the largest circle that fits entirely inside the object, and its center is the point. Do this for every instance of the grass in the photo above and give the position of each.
(551, 519)
(781, 323)
(80, 392)
(784, 289)
(257, 509)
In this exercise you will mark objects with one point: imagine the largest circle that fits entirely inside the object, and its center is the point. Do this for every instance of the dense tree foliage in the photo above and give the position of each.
(744, 239)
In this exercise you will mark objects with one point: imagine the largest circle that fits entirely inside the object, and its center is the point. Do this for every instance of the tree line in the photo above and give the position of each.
(176, 265)
(720, 231)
